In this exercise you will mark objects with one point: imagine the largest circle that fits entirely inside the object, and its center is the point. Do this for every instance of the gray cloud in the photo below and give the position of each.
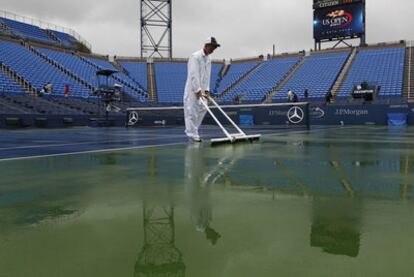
(245, 28)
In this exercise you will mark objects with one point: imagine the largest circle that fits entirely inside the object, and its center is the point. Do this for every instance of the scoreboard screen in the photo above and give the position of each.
(336, 22)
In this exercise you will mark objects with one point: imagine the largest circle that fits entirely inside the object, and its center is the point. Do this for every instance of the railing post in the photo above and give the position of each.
(410, 45)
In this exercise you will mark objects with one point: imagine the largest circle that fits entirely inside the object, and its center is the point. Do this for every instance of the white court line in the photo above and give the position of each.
(132, 148)
(84, 143)
(90, 152)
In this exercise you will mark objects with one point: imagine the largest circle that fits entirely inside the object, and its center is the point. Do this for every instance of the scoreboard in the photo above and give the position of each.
(338, 19)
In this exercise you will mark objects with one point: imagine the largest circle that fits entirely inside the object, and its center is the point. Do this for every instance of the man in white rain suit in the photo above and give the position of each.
(197, 87)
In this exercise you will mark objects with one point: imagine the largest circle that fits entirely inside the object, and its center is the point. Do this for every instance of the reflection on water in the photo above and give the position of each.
(286, 206)
(159, 255)
(197, 182)
(336, 226)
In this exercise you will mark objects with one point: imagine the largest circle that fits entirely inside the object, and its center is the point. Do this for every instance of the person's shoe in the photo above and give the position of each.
(195, 139)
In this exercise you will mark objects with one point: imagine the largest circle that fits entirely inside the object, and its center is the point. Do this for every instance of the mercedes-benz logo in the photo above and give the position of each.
(295, 115)
(133, 118)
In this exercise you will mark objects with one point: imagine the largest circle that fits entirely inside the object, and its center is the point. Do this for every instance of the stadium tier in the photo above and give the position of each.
(34, 33)
(234, 73)
(382, 67)
(249, 82)
(36, 70)
(171, 78)
(87, 71)
(255, 87)
(66, 40)
(27, 31)
(26, 67)
(132, 86)
(317, 74)
(137, 71)
(8, 85)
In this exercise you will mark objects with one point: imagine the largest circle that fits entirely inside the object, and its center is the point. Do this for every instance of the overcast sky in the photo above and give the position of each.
(244, 28)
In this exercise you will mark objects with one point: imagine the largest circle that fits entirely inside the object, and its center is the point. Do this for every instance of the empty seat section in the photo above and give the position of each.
(8, 85)
(104, 64)
(27, 31)
(317, 74)
(83, 70)
(138, 72)
(37, 71)
(171, 78)
(381, 67)
(66, 39)
(236, 71)
(256, 86)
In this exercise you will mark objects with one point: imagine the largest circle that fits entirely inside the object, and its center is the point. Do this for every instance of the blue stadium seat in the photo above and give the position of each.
(138, 72)
(105, 64)
(236, 71)
(8, 85)
(27, 31)
(256, 86)
(37, 71)
(171, 78)
(317, 74)
(381, 67)
(66, 39)
(83, 70)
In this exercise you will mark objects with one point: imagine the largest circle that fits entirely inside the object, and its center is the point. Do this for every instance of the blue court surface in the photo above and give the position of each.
(17, 144)
(146, 202)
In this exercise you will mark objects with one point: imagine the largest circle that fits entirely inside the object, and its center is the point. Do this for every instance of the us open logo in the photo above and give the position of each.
(339, 19)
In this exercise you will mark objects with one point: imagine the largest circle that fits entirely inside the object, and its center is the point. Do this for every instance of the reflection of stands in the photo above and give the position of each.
(336, 226)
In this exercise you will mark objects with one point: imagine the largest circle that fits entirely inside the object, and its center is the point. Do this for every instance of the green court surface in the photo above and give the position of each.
(334, 202)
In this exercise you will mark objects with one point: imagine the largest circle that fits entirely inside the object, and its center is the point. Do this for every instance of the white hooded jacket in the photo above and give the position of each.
(198, 79)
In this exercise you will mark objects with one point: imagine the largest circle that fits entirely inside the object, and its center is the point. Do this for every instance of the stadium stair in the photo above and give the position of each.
(222, 74)
(224, 70)
(61, 68)
(344, 72)
(119, 80)
(4, 30)
(19, 80)
(120, 68)
(292, 72)
(382, 66)
(408, 92)
(152, 82)
(53, 37)
(247, 74)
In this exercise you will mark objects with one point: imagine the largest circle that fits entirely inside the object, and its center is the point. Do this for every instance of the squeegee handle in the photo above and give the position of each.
(216, 120)
(225, 114)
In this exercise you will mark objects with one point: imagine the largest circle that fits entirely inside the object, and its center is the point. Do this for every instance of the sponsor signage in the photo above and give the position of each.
(320, 4)
(363, 93)
(344, 21)
(352, 112)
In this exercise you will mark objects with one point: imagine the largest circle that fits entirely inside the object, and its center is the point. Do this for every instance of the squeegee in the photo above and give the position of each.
(240, 136)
